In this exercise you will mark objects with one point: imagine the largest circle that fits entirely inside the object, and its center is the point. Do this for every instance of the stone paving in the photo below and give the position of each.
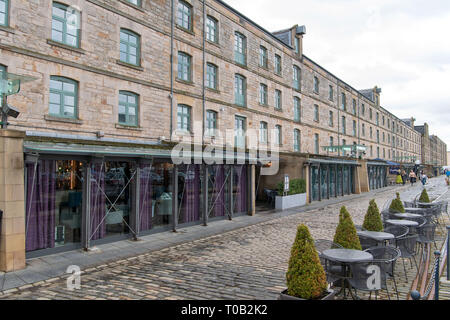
(247, 263)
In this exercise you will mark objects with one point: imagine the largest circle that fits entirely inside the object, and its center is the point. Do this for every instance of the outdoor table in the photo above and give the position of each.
(414, 210)
(377, 236)
(407, 223)
(407, 215)
(426, 205)
(346, 257)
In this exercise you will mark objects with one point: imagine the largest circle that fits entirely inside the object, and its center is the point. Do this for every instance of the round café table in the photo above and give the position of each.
(426, 205)
(346, 257)
(407, 215)
(407, 223)
(412, 210)
(380, 237)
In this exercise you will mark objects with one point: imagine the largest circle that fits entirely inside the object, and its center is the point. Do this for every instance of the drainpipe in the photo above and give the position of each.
(171, 67)
(203, 72)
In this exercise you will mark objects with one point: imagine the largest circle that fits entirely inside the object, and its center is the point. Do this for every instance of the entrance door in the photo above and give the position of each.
(339, 181)
(315, 183)
(323, 182)
(332, 183)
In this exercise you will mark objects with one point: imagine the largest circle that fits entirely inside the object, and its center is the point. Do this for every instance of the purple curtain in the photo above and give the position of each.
(219, 191)
(41, 192)
(145, 198)
(190, 210)
(98, 209)
(241, 192)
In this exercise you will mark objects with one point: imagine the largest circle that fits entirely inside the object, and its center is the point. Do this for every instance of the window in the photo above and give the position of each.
(278, 135)
(240, 48)
(297, 45)
(363, 109)
(343, 125)
(363, 130)
(136, 2)
(65, 23)
(370, 114)
(331, 121)
(263, 94)
(211, 30)
(316, 113)
(184, 67)
(297, 109)
(296, 140)
(240, 90)
(383, 121)
(316, 143)
(378, 136)
(277, 64)
(211, 76)
(129, 47)
(354, 107)
(371, 135)
(4, 14)
(2, 74)
(184, 17)
(239, 132)
(278, 99)
(211, 123)
(378, 152)
(354, 128)
(263, 57)
(384, 137)
(184, 118)
(128, 108)
(378, 119)
(63, 97)
(343, 102)
(296, 76)
(316, 85)
(263, 132)
(330, 93)
(331, 141)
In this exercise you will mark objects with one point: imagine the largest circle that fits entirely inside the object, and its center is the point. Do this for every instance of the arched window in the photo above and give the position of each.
(63, 97)
(130, 47)
(65, 25)
(184, 117)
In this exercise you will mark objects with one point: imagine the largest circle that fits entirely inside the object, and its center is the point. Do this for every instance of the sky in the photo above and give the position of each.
(402, 46)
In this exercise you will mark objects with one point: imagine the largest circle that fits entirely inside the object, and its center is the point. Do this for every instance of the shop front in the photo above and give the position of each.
(377, 172)
(331, 178)
(79, 197)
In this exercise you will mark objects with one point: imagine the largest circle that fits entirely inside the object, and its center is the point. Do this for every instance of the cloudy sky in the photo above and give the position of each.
(402, 46)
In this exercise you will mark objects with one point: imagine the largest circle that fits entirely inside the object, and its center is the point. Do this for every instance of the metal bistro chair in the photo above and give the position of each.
(408, 204)
(389, 255)
(333, 270)
(367, 242)
(397, 231)
(426, 234)
(360, 276)
(407, 247)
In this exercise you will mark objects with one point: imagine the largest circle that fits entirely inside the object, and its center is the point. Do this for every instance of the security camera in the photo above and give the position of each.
(10, 111)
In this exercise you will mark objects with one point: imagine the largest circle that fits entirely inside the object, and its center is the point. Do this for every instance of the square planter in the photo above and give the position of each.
(287, 202)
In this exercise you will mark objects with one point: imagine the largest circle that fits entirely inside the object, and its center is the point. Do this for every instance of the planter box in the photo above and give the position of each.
(296, 200)
(285, 296)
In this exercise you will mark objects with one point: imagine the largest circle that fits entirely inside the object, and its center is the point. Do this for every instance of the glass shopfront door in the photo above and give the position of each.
(315, 183)
(323, 182)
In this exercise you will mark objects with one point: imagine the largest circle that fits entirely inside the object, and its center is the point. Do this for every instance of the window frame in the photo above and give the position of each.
(65, 25)
(128, 45)
(316, 87)
(127, 106)
(62, 94)
(211, 131)
(244, 129)
(278, 65)
(240, 57)
(297, 109)
(297, 140)
(215, 74)
(6, 13)
(263, 94)
(296, 81)
(138, 4)
(278, 100)
(184, 115)
(343, 101)
(237, 79)
(330, 93)
(180, 55)
(263, 132)
(263, 57)
(278, 135)
(183, 13)
(212, 26)
(316, 113)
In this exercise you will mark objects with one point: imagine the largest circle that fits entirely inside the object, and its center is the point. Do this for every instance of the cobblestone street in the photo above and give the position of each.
(247, 263)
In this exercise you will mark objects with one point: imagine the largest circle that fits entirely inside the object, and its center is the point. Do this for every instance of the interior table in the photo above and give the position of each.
(346, 257)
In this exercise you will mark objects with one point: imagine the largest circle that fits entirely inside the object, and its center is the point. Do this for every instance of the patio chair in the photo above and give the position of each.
(407, 247)
(360, 276)
(333, 270)
(426, 234)
(367, 242)
(389, 255)
(408, 204)
(397, 231)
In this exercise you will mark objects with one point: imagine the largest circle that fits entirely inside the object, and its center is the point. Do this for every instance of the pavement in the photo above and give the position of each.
(245, 258)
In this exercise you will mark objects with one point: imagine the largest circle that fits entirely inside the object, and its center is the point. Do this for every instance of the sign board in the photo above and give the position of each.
(286, 183)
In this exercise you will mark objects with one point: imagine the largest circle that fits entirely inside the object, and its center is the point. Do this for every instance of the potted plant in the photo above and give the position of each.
(424, 198)
(295, 197)
(397, 205)
(346, 234)
(305, 278)
(372, 219)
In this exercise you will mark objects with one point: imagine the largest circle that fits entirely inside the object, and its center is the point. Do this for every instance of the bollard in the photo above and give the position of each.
(415, 295)
(448, 253)
(436, 277)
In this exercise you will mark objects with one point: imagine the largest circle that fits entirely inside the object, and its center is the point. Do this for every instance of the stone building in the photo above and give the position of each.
(118, 83)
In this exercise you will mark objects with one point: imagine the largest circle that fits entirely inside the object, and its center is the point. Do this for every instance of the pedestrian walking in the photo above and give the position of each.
(412, 177)
(424, 179)
(403, 176)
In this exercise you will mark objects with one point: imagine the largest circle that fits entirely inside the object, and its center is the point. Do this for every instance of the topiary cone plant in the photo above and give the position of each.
(372, 220)
(397, 205)
(305, 277)
(424, 196)
(346, 234)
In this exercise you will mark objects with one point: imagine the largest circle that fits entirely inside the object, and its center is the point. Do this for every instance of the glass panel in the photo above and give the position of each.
(315, 183)
(54, 109)
(332, 183)
(346, 180)
(339, 181)
(189, 193)
(54, 204)
(156, 193)
(323, 182)
(240, 189)
(218, 190)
